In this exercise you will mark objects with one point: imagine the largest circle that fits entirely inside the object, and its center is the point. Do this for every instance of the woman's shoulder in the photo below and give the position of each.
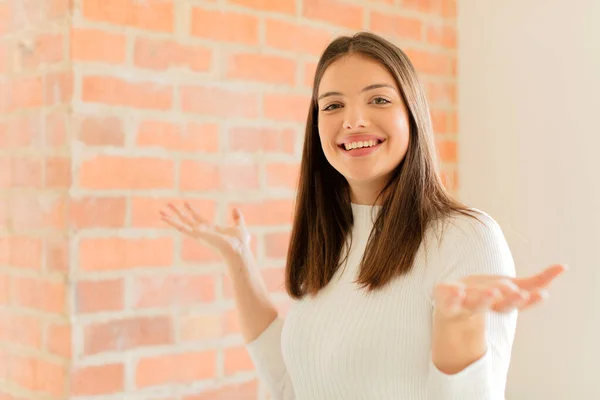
(473, 242)
(471, 227)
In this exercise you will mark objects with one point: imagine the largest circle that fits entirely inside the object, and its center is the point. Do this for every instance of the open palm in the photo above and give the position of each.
(229, 241)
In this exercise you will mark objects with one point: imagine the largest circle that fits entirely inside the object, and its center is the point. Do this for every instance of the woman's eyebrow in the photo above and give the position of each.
(370, 87)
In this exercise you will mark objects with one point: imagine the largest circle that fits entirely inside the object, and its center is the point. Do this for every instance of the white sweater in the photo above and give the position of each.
(346, 345)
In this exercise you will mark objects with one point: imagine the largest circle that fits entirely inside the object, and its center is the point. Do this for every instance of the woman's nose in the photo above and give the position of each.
(354, 119)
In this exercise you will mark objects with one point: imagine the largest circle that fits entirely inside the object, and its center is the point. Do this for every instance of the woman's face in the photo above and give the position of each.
(363, 124)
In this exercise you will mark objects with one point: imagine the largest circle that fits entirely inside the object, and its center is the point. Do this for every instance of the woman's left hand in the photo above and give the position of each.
(478, 293)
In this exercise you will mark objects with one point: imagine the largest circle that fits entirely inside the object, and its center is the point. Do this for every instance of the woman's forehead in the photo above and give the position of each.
(353, 74)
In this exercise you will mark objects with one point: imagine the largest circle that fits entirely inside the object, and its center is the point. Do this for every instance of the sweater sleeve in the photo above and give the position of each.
(266, 355)
(477, 248)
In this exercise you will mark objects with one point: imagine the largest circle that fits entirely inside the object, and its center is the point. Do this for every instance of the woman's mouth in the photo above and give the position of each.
(361, 148)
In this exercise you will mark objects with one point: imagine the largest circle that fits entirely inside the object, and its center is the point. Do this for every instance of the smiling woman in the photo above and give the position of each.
(401, 291)
(354, 110)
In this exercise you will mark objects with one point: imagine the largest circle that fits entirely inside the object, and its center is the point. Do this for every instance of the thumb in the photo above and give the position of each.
(238, 217)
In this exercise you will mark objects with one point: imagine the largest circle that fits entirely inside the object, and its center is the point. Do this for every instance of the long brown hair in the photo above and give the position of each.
(413, 197)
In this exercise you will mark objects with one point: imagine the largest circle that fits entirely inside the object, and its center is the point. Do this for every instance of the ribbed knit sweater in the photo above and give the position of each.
(345, 344)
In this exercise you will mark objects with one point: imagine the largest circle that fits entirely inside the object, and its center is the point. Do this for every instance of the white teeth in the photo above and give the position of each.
(359, 144)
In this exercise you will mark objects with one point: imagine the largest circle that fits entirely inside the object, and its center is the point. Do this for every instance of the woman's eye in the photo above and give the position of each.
(331, 107)
(380, 100)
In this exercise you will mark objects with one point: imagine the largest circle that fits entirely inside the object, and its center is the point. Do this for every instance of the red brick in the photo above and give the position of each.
(450, 178)
(22, 330)
(106, 254)
(245, 390)
(20, 172)
(274, 279)
(22, 130)
(278, 6)
(57, 252)
(21, 252)
(447, 150)
(276, 244)
(444, 121)
(237, 360)
(194, 137)
(194, 251)
(283, 175)
(99, 130)
(231, 323)
(201, 327)
(310, 69)
(176, 368)
(430, 62)
(47, 49)
(261, 68)
(198, 175)
(118, 92)
(6, 17)
(219, 102)
(126, 334)
(227, 177)
(268, 212)
(40, 294)
(58, 339)
(441, 93)
(58, 172)
(224, 26)
(160, 55)
(145, 212)
(114, 172)
(153, 15)
(98, 212)
(37, 375)
(440, 8)
(59, 88)
(238, 176)
(297, 38)
(97, 296)
(403, 27)
(37, 210)
(4, 289)
(262, 139)
(98, 46)
(56, 129)
(335, 12)
(173, 290)
(286, 107)
(98, 379)
(23, 93)
(442, 35)
(5, 66)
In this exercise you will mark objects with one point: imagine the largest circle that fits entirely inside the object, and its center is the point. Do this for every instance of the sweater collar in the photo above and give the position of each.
(364, 216)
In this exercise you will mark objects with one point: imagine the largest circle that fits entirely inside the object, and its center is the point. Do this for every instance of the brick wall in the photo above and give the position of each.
(35, 179)
(112, 108)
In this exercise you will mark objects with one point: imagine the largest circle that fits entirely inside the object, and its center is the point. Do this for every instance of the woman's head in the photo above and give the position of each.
(364, 85)
(365, 89)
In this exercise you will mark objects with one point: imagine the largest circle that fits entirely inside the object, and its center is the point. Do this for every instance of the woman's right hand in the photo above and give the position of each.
(232, 241)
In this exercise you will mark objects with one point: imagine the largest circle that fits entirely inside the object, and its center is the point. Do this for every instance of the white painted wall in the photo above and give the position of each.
(529, 154)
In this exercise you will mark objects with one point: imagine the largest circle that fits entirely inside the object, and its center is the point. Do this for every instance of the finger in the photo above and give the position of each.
(195, 216)
(238, 217)
(448, 297)
(184, 218)
(480, 297)
(541, 280)
(176, 224)
(534, 299)
(512, 296)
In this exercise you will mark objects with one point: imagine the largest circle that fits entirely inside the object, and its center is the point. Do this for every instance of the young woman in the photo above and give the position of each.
(399, 291)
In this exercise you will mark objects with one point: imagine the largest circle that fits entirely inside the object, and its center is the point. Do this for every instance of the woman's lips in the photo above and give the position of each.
(363, 151)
